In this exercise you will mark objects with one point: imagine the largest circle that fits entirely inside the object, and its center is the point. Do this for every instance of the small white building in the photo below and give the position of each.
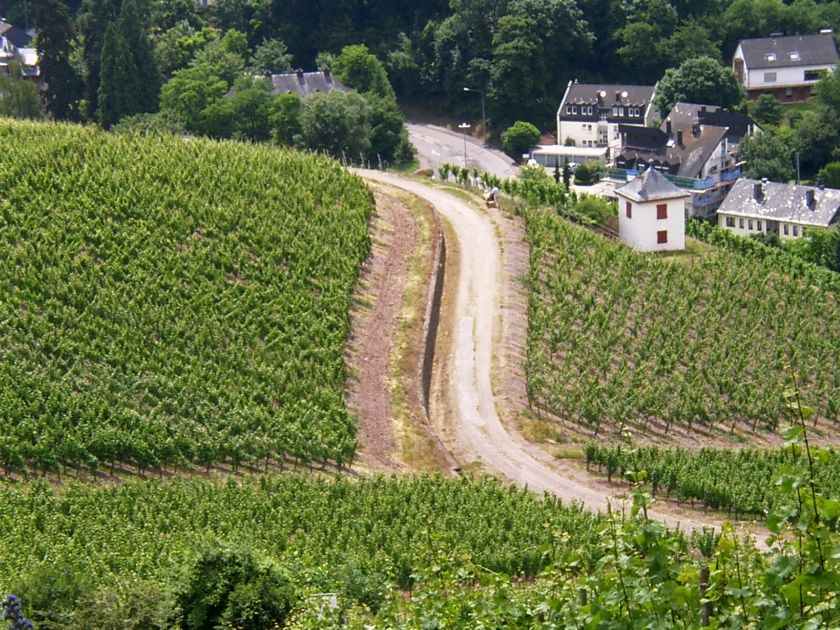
(760, 207)
(651, 213)
(589, 114)
(786, 67)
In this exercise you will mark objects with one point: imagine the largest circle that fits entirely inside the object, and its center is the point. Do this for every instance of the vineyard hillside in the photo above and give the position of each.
(707, 344)
(172, 302)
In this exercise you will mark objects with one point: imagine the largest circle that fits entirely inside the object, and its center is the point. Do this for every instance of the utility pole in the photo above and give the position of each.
(797, 168)
(483, 117)
(463, 127)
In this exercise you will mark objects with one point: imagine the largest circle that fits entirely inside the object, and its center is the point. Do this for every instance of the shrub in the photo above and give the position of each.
(585, 174)
(519, 137)
(229, 588)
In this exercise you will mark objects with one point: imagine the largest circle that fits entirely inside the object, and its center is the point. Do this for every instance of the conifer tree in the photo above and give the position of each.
(55, 32)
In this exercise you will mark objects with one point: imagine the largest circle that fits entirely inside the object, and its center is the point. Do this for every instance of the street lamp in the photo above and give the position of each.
(463, 127)
(483, 118)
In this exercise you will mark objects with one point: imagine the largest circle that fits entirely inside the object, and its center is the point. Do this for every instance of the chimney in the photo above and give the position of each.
(810, 200)
(695, 130)
(668, 128)
(299, 73)
(680, 137)
(327, 75)
(703, 108)
(618, 96)
(758, 192)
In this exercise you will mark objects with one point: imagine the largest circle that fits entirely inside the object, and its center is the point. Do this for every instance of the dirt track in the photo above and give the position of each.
(480, 433)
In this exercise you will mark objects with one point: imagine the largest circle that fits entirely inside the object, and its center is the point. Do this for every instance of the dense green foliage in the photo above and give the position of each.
(173, 302)
(778, 259)
(739, 482)
(415, 553)
(519, 138)
(625, 338)
(327, 535)
(698, 80)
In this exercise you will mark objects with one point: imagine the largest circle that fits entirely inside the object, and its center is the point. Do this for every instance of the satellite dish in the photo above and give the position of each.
(624, 94)
(602, 94)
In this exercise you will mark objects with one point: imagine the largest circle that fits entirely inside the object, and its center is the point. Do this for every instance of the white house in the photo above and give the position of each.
(696, 146)
(786, 67)
(651, 213)
(754, 207)
(589, 114)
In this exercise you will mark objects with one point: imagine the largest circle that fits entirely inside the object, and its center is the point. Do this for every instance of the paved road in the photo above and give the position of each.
(481, 434)
(436, 145)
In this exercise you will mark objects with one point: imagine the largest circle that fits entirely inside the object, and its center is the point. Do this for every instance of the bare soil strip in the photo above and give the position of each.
(388, 336)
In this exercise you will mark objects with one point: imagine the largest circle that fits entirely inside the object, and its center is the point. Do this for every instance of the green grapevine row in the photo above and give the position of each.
(622, 337)
(738, 482)
(773, 257)
(172, 302)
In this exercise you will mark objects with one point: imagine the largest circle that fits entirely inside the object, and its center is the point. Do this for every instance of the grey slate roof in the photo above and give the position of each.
(782, 202)
(306, 83)
(812, 50)
(17, 37)
(695, 151)
(650, 186)
(590, 93)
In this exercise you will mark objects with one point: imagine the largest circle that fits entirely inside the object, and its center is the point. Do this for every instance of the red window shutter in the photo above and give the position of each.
(662, 236)
(662, 211)
(629, 210)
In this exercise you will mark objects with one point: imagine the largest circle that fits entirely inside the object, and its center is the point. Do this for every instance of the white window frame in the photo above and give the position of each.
(770, 77)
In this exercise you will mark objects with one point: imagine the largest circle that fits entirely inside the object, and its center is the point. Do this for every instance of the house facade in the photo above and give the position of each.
(762, 207)
(786, 67)
(14, 49)
(696, 146)
(651, 213)
(589, 114)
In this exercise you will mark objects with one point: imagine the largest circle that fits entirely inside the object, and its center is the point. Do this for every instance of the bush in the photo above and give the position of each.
(126, 606)
(830, 174)
(229, 588)
(519, 137)
(585, 174)
(594, 208)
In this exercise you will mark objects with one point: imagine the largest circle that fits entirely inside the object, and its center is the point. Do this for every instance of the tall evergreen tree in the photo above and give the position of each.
(129, 81)
(95, 16)
(55, 32)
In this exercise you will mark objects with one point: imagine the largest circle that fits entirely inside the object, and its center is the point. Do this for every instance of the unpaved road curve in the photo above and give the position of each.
(481, 434)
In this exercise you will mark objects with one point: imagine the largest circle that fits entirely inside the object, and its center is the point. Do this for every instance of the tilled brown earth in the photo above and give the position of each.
(375, 319)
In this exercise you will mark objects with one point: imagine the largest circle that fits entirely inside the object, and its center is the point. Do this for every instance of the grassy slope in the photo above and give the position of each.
(171, 300)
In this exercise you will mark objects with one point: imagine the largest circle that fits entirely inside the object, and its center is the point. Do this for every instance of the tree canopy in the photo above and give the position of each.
(698, 80)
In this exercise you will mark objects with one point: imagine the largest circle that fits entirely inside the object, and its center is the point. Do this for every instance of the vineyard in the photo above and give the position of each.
(172, 302)
(638, 341)
(418, 553)
(737, 482)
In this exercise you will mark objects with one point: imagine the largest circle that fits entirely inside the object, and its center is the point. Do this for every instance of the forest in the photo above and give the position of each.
(431, 50)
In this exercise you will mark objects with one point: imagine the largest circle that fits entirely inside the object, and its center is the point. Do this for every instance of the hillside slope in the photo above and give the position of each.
(170, 301)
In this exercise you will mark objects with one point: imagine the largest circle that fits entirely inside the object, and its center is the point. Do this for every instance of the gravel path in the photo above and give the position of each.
(478, 317)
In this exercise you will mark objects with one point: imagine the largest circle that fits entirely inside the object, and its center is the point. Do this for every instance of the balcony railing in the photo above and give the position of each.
(623, 174)
(729, 176)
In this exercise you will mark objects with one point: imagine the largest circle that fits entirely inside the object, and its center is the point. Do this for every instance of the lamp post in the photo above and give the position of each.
(483, 118)
(463, 127)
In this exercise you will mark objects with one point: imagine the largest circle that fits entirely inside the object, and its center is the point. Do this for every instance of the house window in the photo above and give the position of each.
(770, 56)
(730, 222)
(602, 117)
(741, 224)
(788, 91)
(814, 75)
(769, 77)
(661, 211)
(785, 229)
(615, 111)
(628, 210)
(803, 231)
(574, 109)
(758, 225)
(568, 109)
(796, 230)
(589, 110)
(621, 111)
(662, 237)
(794, 56)
(749, 224)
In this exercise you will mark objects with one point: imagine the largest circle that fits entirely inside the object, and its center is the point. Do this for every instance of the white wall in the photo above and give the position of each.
(758, 225)
(640, 231)
(784, 76)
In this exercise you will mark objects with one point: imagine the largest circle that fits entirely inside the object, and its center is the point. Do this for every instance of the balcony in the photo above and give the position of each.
(730, 176)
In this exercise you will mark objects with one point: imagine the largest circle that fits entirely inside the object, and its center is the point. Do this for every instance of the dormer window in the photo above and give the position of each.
(770, 56)
(574, 109)
(568, 109)
(794, 56)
